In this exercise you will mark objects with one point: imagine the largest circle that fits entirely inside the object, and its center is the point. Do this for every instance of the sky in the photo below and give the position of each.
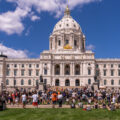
(25, 25)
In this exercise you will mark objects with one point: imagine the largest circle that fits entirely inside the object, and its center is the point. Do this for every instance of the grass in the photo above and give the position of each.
(58, 114)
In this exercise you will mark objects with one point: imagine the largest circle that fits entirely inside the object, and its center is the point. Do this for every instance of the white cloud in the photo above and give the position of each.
(90, 47)
(34, 18)
(55, 6)
(12, 53)
(11, 22)
(74, 3)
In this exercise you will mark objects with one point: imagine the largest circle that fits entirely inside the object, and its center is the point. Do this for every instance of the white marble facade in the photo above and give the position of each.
(66, 63)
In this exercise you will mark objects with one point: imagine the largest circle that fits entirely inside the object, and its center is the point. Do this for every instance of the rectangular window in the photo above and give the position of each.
(59, 42)
(22, 82)
(30, 65)
(97, 66)
(15, 65)
(37, 66)
(112, 82)
(105, 82)
(45, 71)
(119, 66)
(104, 65)
(97, 72)
(118, 72)
(112, 72)
(45, 81)
(66, 42)
(30, 72)
(15, 72)
(89, 71)
(7, 72)
(14, 82)
(7, 82)
(22, 72)
(119, 82)
(89, 81)
(75, 43)
(37, 72)
(104, 72)
(111, 65)
(37, 83)
(29, 82)
(22, 65)
(8, 65)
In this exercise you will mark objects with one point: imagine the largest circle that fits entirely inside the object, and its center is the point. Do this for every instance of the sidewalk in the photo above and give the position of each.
(39, 106)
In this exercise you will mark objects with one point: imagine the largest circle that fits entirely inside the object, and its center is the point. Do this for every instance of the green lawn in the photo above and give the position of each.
(58, 114)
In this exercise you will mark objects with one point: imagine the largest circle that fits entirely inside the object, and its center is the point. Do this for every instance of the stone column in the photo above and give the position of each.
(73, 69)
(61, 69)
(81, 73)
(63, 66)
(63, 39)
(53, 69)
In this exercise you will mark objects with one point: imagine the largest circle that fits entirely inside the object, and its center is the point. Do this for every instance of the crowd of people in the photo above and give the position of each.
(80, 98)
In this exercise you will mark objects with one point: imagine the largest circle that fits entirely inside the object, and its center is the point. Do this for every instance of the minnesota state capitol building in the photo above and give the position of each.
(67, 63)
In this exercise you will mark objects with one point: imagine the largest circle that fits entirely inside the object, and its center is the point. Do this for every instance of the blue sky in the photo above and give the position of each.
(25, 26)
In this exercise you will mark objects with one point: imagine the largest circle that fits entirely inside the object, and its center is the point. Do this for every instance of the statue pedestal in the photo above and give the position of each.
(95, 86)
(41, 87)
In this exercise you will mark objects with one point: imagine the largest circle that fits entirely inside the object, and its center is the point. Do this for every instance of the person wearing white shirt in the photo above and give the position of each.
(60, 96)
(24, 99)
(35, 99)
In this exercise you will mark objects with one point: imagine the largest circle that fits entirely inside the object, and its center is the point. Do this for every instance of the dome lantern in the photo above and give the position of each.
(67, 11)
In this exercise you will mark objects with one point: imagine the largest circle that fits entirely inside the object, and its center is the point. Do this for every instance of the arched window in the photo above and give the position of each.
(7, 82)
(112, 82)
(67, 69)
(57, 69)
(67, 83)
(29, 82)
(89, 81)
(57, 82)
(77, 69)
(77, 83)
(22, 82)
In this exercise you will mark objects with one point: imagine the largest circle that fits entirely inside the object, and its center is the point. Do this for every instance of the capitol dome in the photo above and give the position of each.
(67, 35)
(67, 22)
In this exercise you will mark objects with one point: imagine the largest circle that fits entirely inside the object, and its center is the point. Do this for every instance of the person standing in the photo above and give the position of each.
(24, 100)
(13, 98)
(60, 99)
(54, 99)
(35, 99)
